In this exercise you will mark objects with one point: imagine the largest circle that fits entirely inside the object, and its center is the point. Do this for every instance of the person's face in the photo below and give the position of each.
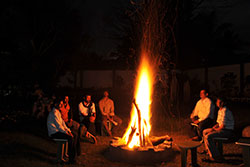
(88, 98)
(61, 104)
(106, 94)
(66, 99)
(218, 102)
(203, 94)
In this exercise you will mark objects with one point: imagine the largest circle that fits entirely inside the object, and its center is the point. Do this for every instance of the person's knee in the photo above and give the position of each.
(120, 121)
(209, 137)
(104, 122)
(204, 133)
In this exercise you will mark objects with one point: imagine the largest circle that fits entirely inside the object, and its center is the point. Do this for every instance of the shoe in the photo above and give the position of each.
(213, 160)
(73, 162)
(61, 161)
(66, 157)
(92, 137)
(81, 154)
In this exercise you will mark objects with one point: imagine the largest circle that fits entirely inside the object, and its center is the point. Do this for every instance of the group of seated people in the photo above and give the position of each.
(61, 125)
(206, 129)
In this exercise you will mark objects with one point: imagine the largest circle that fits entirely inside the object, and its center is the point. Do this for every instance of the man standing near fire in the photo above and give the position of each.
(202, 115)
(106, 106)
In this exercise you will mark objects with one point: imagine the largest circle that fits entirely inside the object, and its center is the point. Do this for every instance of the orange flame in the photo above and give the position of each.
(144, 89)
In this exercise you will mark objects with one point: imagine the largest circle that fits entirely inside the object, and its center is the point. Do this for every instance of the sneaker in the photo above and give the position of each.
(61, 161)
(213, 160)
(73, 162)
(92, 137)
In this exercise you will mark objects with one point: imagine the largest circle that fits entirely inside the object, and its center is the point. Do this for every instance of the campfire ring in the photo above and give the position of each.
(138, 156)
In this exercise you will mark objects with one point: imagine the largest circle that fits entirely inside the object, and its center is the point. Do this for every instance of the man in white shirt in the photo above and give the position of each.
(58, 129)
(106, 106)
(223, 128)
(87, 113)
(203, 114)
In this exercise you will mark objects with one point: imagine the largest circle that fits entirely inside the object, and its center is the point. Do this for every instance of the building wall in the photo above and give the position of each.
(216, 73)
(126, 78)
(196, 74)
(98, 79)
(247, 69)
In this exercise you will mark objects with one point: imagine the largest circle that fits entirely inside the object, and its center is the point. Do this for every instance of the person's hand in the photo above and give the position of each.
(70, 134)
(92, 119)
(196, 121)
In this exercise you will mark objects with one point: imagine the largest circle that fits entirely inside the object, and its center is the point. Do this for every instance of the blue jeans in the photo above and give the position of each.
(209, 135)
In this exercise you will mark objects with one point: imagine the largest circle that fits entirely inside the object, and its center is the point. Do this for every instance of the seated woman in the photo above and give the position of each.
(223, 128)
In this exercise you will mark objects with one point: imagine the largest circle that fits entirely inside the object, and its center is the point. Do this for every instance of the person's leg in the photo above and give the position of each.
(82, 131)
(190, 129)
(75, 126)
(210, 144)
(205, 133)
(76, 143)
(105, 125)
(207, 123)
(119, 121)
(71, 148)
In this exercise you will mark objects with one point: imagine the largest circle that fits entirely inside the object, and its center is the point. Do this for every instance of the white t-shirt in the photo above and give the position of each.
(55, 123)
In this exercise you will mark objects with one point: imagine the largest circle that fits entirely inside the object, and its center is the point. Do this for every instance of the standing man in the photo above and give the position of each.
(106, 106)
(223, 128)
(58, 129)
(202, 115)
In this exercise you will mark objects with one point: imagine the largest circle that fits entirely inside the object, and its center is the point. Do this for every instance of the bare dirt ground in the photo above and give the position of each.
(29, 146)
(26, 149)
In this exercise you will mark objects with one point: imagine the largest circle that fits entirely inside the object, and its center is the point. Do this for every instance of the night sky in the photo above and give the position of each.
(86, 30)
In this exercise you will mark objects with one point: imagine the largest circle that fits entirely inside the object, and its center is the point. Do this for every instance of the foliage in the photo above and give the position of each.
(37, 39)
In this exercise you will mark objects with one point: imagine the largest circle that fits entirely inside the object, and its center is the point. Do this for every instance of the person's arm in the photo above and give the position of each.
(219, 127)
(101, 108)
(112, 109)
(93, 108)
(221, 119)
(60, 124)
(195, 111)
(207, 109)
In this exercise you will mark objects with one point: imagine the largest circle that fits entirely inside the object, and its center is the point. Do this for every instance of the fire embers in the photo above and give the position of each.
(157, 144)
(161, 143)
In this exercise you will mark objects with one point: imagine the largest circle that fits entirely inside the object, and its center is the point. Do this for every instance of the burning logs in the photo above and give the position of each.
(141, 136)
(160, 151)
(146, 149)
